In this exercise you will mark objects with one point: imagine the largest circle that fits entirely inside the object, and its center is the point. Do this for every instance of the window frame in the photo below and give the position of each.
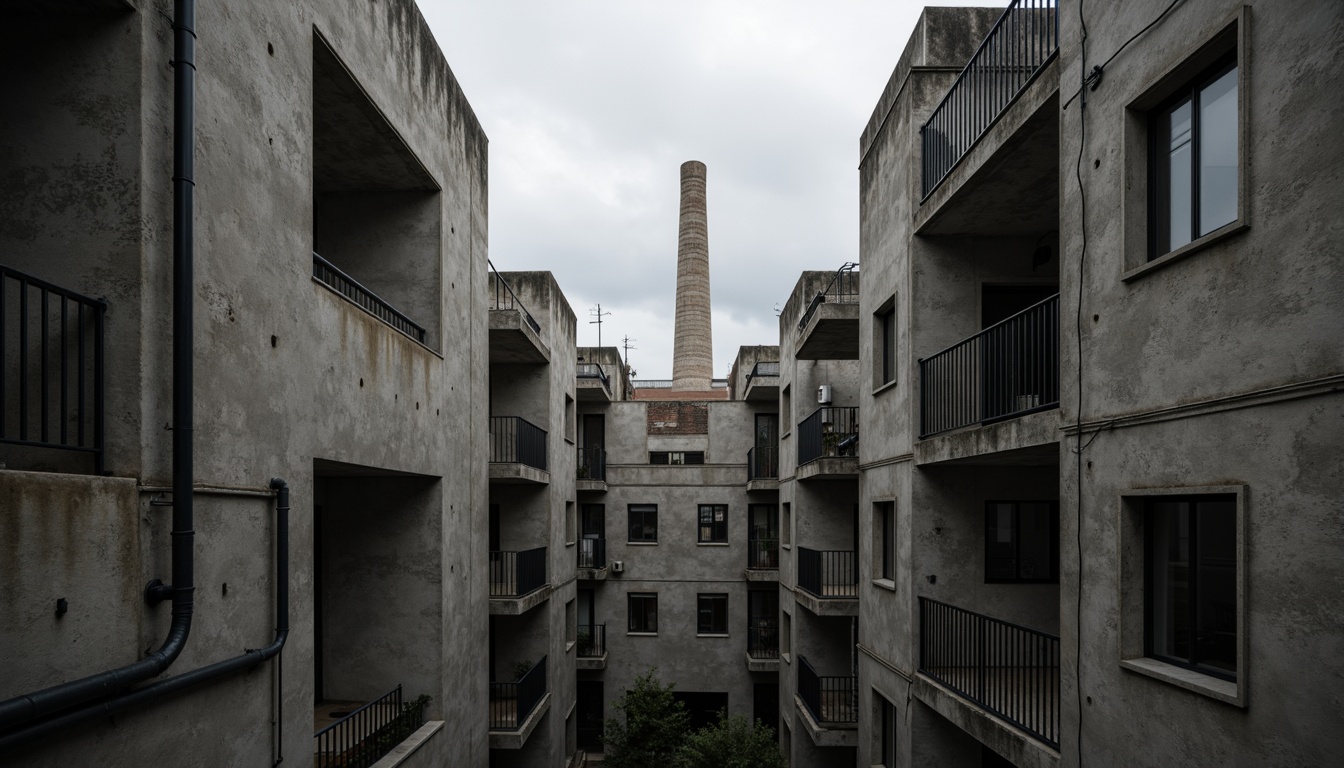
(644, 599)
(884, 543)
(1053, 576)
(704, 599)
(718, 529)
(644, 510)
(683, 458)
(884, 345)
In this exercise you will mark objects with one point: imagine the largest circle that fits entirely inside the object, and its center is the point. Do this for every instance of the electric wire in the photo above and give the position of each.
(1078, 410)
(1094, 76)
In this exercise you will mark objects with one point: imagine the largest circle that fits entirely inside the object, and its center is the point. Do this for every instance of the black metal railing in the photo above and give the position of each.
(830, 698)
(592, 641)
(364, 736)
(514, 440)
(762, 462)
(828, 573)
(592, 464)
(514, 574)
(331, 276)
(1020, 45)
(763, 641)
(826, 431)
(763, 554)
(51, 386)
(843, 289)
(1009, 369)
(1010, 670)
(511, 703)
(592, 553)
(503, 297)
(593, 371)
(760, 370)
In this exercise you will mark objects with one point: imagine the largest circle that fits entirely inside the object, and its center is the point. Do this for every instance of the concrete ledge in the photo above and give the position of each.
(1025, 440)
(591, 662)
(832, 333)
(516, 739)
(829, 735)
(827, 606)
(829, 468)
(514, 606)
(591, 390)
(763, 484)
(596, 486)
(518, 474)
(763, 388)
(760, 574)
(1019, 748)
(512, 340)
(406, 753)
(762, 665)
(593, 574)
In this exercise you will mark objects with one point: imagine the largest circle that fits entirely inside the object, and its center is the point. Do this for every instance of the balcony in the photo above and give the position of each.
(829, 327)
(830, 706)
(592, 559)
(829, 581)
(591, 647)
(828, 443)
(591, 470)
(1008, 370)
(763, 383)
(763, 645)
(763, 468)
(1005, 669)
(517, 451)
(51, 389)
(592, 384)
(517, 581)
(332, 277)
(364, 734)
(515, 335)
(763, 558)
(517, 708)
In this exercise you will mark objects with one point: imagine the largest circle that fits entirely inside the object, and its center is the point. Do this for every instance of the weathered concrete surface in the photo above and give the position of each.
(693, 339)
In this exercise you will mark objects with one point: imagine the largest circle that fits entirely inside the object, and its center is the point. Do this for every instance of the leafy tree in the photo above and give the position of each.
(732, 742)
(653, 728)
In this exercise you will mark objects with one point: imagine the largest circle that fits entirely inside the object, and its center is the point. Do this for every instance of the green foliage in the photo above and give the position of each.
(652, 729)
(732, 742)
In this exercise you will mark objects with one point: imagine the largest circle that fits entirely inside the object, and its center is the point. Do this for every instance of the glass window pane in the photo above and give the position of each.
(1000, 548)
(1218, 153)
(1034, 526)
(1168, 573)
(1216, 614)
(1178, 174)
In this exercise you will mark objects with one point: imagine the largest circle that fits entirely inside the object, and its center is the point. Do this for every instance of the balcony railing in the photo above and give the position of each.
(517, 441)
(511, 703)
(763, 554)
(763, 641)
(592, 642)
(763, 369)
(592, 371)
(592, 553)
(830, 573)
(830, 698)
(592, 464)
(515, 574)
(364, 736)
(1009, 670)
(331, 276)
(1022, 43)
(1009, 369)
(503, 297)
(828, 432)
(762, 462)
(843, 289)
(51, 386)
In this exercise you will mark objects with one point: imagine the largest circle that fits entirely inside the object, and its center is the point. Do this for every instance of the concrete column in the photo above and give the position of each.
(693, 343)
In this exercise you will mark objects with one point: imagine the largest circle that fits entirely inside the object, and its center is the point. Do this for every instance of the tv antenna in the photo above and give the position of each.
(626, 343)
(599, 314)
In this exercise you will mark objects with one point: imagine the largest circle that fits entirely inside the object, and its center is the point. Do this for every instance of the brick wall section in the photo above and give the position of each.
(678, 419)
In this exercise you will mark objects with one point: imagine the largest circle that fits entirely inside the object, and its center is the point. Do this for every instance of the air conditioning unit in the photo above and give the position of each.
(824, 394)
(618, 566)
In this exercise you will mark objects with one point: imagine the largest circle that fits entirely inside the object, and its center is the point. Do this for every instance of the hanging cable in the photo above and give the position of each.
(1093, 78)
(1078, 409)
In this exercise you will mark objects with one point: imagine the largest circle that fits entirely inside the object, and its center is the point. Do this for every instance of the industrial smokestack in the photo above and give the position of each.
(693, 343)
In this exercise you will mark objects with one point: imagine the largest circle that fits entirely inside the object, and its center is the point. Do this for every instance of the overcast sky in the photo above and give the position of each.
(591, 106)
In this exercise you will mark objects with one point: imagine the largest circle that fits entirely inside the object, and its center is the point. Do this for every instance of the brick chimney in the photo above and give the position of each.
(693, 343)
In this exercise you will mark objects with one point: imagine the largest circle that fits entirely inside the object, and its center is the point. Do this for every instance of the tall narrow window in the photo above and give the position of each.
(713, 523)
(643, 612)
(643, 523)
(884, 533)
(712, 614)
(884, 344)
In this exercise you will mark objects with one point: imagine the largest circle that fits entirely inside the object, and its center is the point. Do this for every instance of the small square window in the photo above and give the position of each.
(643, 523)
(714, 523)
(1021, 542)
(712, 614)
(644, 612)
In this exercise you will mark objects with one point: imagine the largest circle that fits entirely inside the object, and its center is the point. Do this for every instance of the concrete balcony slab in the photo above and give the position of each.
(515, 606)
(515, 739)
(832, 333)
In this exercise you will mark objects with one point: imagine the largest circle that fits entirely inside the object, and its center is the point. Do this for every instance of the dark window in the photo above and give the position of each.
(712, 613)
(714, 523)
(1021, 541)
(1194, 160)
(888, 734)
(643, 522)
(676, 457)
(1191, 582)
(644, 612)
(884, 339)
(703, 708)
(885, 523)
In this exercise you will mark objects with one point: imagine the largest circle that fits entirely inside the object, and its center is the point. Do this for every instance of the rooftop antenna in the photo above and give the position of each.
(599, 314)
(626, 343)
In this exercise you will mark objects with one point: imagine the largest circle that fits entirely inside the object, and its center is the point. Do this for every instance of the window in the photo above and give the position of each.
(712, 614)
(885, 713)
(571, 522)
(786, 526)
(676, 457)
(884, 344)
(571, 624)
(1190, 582)
(1021, 542)
(786, 635)
(570, 418)
(644, 612)
(644, 523)
(884, 548)
(713, 523)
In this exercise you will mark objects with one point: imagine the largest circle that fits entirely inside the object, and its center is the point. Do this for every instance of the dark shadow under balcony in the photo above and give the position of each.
(591, 647)
(828, 581)
(517, 451)
(516, 708)
(828, 444)
(517, 581)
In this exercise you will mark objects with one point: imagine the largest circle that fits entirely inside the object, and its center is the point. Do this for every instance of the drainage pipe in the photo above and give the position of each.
(246, 660)
(23, 709)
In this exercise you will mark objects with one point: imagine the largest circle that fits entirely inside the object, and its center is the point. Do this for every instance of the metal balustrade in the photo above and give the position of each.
(592, 464)
(592, 641)
(825, 433)
(592, 553)
(331, 276)
(843, 289)
(503, 297)
(367, 734)
(517, 441)
(763, 641)
(515, 574)
(763, 462)
(511, 703)
(827, 574)
(763, 553)
(830, 698)
(1009, 369)
(1010, 670)
(1021, 44)
(52, 380)
(764, 369)
(592, 371)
